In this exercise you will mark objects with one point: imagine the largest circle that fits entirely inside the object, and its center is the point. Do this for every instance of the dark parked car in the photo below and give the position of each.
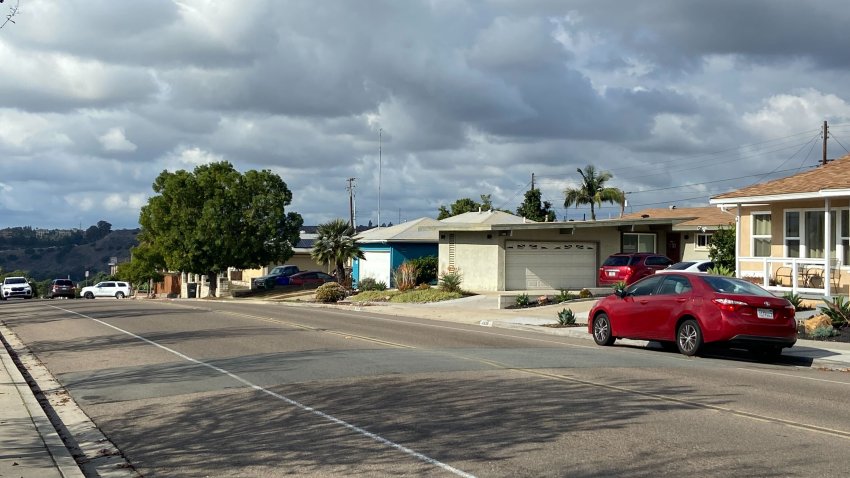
(629, 268)
(61, 288)
(277, 276)
(686, 310)
(310, 278)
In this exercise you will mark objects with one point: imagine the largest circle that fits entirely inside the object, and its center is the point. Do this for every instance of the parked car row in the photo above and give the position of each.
(14, 287)
(290, 275)
(631, 267)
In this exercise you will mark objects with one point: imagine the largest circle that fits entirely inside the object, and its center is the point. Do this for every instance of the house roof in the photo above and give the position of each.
(417, 230)
(831, 179)
(486, 217)
(690, 218)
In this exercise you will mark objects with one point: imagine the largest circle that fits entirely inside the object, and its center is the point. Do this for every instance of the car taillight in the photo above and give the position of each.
(628, 271)
(729, 305)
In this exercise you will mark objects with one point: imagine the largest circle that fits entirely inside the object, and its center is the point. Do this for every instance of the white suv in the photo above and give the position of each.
(117, 289)
(15, 287)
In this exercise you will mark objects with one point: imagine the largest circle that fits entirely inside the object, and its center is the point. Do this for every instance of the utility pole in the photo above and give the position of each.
(532, 181)
(380, 132)
(825, 135)
(351, 202)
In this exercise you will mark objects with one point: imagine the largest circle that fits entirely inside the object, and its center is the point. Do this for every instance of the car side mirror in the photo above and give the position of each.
(621, 293)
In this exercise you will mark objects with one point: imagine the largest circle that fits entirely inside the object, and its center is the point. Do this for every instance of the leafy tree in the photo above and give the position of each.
(215, 217)
(466, 205)
(535, 209)
(145, 266)
(335, 245)
(721, 247)
(593, 192)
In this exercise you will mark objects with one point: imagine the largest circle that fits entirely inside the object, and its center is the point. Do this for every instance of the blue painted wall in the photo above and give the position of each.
(399, 252)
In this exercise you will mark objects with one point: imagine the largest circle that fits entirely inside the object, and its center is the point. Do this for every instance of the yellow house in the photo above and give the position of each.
(794, 233)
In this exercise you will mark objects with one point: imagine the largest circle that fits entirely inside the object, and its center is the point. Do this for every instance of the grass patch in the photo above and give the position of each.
(415, 296)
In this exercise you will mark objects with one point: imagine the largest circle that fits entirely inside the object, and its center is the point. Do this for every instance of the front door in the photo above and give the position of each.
(674, 241)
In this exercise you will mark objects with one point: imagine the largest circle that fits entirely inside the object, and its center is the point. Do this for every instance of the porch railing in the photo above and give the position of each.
(789, 274)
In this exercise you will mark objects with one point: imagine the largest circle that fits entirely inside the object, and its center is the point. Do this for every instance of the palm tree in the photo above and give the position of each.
(335, 245)
(593, 191)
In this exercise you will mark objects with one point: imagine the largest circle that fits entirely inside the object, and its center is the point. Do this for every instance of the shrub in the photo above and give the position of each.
(838, 310)
(370, 283)
(522, 300)
(566, 317)
(330, 292)
(795, 299)
(585, 294)
(405, 276)
(564, 296)
(823, 332)
(722, 270)
(426, 269)
(619, 285)
(450, 281)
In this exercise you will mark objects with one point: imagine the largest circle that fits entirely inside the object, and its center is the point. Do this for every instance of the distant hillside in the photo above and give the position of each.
(72, 260)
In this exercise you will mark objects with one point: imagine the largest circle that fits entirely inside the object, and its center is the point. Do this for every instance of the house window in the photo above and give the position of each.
(792, 233)
(761, 234)
(815, 233)
(637, 242)
(702, 241)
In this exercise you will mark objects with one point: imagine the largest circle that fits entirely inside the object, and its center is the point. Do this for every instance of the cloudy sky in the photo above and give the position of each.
(680, 100)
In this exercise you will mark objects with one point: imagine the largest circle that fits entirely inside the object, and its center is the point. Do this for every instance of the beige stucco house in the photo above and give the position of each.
(495, 255)
(794, 233)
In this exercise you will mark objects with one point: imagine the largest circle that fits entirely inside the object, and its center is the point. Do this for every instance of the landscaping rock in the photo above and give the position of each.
(817, 321)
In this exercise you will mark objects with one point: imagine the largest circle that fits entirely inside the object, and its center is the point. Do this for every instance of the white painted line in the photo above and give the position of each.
(312, 410)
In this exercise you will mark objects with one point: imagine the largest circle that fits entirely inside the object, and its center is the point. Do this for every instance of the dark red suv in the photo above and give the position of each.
(628, 268)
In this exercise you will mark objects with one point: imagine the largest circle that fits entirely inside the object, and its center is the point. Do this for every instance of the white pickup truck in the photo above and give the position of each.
(15, 287)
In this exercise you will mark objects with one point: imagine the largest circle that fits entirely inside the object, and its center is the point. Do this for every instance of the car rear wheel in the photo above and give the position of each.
(119, 295)
(602, 330)
(89, 295)
(689, 338)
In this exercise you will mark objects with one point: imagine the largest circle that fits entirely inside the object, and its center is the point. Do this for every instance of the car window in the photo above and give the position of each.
(705, 266)
(122, 284)
(108, 284)
(657, 261)
(644, 287)
(63, 282)
(16, 280)
(674, 285)
(616, 261)
(731, 285)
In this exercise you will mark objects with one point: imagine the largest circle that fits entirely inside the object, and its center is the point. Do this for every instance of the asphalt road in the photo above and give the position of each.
(200, 388)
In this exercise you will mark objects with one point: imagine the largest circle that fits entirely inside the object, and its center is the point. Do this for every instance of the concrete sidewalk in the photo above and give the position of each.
(30, 447)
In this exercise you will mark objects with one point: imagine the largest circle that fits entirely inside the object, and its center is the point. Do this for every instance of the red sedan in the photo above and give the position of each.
(310, 278)
(691, 310)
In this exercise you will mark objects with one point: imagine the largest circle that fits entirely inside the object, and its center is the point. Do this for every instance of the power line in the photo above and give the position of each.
(711, 182)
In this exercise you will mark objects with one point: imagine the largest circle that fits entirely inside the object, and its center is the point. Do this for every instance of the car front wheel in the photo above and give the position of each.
(602, 330)
(88, 295)
(689, 338)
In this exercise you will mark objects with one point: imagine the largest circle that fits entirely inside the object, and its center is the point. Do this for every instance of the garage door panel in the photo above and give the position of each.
(549, 265)
(375, 264)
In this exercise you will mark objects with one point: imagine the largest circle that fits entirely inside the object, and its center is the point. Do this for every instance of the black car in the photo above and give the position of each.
(278, 276)
(61, 288)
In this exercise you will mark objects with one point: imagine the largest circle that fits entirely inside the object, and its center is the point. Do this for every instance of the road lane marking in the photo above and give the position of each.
(307, 408)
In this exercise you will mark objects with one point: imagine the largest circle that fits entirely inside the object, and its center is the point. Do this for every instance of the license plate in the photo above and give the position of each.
(764, 313)
(612, 273)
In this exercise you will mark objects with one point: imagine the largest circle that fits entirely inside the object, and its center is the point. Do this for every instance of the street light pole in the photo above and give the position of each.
(380, 161)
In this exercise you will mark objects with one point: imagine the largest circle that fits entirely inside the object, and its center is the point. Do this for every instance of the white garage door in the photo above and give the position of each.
(375, 264)
(549, 265)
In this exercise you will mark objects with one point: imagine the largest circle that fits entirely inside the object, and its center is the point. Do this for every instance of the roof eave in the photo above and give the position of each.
(744, 200)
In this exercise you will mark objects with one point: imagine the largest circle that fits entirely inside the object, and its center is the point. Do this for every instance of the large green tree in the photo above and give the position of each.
(145, 266)
(216, 217)
(593, 192)
(534, 208)
(335, 245)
